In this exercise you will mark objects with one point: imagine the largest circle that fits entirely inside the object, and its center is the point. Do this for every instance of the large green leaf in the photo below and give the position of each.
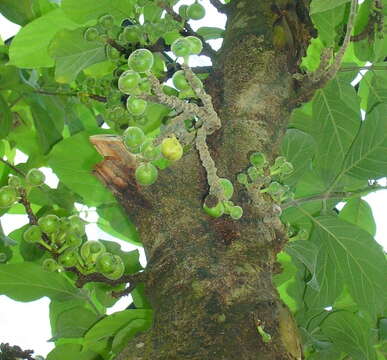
(299, 148)
(336, 120)
(373, 88)
(123, 336)
(328, 23)
(73, 53)
(48, 126)
(83, 11)
(98, 337)
(114, 221)
(350, 334)
(71, 352)
(358, 212)
(74, 323)
(28, 282)
(29, 48)
(327, 277)
(323, 5)
(5, 118)
(367, 156)
(357, 257)
(23, 11)
(76, 171)
(306, 252)
(59, 307)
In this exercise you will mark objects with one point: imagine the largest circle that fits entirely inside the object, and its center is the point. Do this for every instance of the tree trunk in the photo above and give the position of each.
(210, 280)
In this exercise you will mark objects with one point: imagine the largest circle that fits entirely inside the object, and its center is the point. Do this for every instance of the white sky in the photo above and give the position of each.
(27, 324)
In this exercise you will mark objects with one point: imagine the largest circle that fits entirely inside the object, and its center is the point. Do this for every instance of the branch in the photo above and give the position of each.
(117, 46)
(33, 220)
(334, 68)
(317, 79)
(14, 168)
(222, 8)
(171, 101)
(376, 17)
(332, 195)
(91, 96)
(133, 279)
(370, 67)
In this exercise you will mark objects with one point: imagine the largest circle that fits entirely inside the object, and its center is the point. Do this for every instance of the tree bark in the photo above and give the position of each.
(210, 280)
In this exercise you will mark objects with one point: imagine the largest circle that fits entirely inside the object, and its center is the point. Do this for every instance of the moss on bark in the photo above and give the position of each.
(210, 280)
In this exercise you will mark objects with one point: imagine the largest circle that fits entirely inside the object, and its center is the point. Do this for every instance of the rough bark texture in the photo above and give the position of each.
(210, 280)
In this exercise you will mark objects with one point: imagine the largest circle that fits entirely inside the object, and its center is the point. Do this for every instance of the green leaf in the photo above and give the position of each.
(125, 334)
(358, 212)
(353, 253)
(311, 61)
(29, 48)
(209, 33)
(383, 329)
(97, 338)
(139, 298)
(82, 11)
(350, 334)
(306, 252)
(76, 171)
(74, 323)
(336, 120)
(328, 24)
(373, 89)
(114, 221)
(23, 11)
(289, 283)
(71, 352)
(28, 282)
(367, 156)
(5, 118)
(329, 279)
(323, 5)
(10, 78)
(58, 307)
(299, 148)
(72, 54)
(152, 12)
(47, 126)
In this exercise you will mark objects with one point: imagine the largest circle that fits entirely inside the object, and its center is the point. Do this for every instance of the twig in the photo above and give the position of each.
(370, 67)
(334, 68)
(91, 96)
(316, 80)
(376, 17)
(176, 127)
(46, 92)
(117, 46)
(332, 195)
(133, 279)
(126, 291)
(14, 168)
(222, 8)
(33, 220)
(171, 101)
